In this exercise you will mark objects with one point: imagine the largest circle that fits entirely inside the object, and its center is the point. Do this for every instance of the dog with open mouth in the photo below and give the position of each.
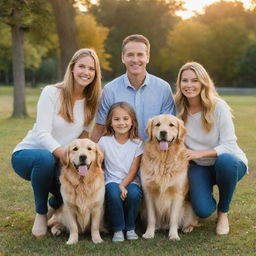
(83, 190)
(164, 178)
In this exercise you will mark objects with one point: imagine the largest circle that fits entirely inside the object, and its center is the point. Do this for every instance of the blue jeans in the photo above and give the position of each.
(225, 173)
(40, 167)
(122, 214)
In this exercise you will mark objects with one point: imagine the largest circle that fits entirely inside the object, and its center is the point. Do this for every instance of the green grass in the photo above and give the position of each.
(17, 209)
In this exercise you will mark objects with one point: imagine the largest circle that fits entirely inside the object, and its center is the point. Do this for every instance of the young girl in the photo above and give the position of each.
(213, 150)
(123, 150)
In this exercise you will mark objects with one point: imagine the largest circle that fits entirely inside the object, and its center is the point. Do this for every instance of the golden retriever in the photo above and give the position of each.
(164, 178)
(83, 190)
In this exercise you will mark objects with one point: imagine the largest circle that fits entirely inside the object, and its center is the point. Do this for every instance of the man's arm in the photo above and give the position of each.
(97, 132)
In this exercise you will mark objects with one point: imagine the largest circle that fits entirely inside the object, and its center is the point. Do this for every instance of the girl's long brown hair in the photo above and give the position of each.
(133, 133)
(91, 91)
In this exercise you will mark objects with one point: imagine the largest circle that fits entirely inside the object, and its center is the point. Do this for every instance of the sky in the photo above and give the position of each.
(197, 5)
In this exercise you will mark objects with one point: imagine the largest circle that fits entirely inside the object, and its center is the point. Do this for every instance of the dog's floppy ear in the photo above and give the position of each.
(149, 129)
(181, 131)
(99, 156)
(66, 159)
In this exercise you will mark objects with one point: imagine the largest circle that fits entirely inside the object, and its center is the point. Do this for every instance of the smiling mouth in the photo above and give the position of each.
(82, 169)
(164, 144)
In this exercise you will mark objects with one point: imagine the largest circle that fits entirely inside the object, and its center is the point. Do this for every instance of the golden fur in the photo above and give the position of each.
(83, 195)
(164, 178)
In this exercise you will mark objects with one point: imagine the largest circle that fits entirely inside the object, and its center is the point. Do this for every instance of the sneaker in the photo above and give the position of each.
(118, 236)
(131, 235)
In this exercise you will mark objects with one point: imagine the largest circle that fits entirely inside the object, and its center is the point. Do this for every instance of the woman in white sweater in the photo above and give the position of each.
(215, 156)
(64, 113)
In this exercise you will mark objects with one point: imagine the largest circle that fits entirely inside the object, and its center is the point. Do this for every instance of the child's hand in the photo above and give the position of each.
(124, 192)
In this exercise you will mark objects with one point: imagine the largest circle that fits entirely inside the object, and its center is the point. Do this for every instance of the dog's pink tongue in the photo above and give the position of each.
(82, 170)
(163, 145)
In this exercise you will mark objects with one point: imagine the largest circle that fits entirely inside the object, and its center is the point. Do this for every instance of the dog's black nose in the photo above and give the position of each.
(163, 135)
(82, 158)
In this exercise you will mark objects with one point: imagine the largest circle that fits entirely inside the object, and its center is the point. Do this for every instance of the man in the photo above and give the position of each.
(147, 94)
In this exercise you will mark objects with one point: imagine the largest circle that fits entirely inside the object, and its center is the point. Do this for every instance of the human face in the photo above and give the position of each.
(121, 121)
(190, 85)
(84, 71)
(135, 58)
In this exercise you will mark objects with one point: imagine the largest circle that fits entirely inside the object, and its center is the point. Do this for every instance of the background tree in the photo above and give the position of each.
(227, 45)
(22, 16)
(64, 16)
(152, 18)
(186, 42)
(92, 35)
(5, 53)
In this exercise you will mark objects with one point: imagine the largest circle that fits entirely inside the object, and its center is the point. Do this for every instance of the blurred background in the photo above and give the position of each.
(40, 36)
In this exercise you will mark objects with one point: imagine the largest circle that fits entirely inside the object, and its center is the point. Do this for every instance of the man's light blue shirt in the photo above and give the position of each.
(153, 98)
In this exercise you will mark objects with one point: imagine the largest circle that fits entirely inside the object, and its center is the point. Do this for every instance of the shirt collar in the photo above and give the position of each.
(128, 84)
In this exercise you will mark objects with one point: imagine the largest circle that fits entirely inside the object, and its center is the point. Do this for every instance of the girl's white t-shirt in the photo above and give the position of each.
(119, 157)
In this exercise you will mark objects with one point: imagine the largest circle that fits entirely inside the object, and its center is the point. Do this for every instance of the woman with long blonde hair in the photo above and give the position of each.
(64, 113)
(215, 158)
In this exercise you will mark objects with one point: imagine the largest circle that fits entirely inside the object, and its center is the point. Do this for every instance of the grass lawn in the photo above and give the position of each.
(17, 208)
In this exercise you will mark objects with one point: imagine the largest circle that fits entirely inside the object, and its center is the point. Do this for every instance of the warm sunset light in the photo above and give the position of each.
(193, 6)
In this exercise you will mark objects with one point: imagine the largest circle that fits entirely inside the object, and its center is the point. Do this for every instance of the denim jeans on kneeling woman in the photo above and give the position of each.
(40, 167)
(225, 173)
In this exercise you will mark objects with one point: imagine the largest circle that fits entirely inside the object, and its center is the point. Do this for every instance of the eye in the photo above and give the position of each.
(158, 124)
(89, 148)
(171, 125)
(75, 148)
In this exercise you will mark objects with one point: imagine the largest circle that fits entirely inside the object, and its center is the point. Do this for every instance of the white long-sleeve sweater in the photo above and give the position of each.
(221, 138)
(50, 130)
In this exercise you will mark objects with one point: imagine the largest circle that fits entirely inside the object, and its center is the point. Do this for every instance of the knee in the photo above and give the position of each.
(134, 195)
(226, 164)
(204, 213)
(112, 192)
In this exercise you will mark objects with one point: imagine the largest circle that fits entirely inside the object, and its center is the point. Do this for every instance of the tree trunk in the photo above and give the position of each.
(66, 29)
(19, 106)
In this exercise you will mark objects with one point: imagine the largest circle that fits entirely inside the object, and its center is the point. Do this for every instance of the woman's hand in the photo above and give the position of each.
(193, 154)
(196, 154)
(124, 192)
(60, 154)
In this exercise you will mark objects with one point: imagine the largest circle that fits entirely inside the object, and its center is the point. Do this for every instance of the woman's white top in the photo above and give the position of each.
(118, 158)
(50, 130)
(221, 137)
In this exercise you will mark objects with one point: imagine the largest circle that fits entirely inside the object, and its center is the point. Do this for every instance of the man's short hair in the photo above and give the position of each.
(136, 38)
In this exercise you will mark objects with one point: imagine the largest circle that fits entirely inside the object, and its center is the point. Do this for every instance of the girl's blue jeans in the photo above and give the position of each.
(122, 214)
(225, 173)
(40, 167)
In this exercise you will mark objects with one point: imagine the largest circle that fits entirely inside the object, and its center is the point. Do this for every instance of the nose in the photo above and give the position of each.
(82, 158)
(163, 135)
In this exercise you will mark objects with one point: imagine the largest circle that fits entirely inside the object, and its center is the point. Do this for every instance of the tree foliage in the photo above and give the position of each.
(92, 35)
(186, 42)
(21, 16)
(152, 18)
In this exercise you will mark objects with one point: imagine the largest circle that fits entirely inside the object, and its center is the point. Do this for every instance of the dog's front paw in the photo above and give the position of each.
(187, 229)
(73, 239)
(174, 237)
(148, 235)
(55, 231)
(97, 240)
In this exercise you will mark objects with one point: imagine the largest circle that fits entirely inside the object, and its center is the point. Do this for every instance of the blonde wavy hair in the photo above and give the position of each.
(208, 95)
(134, 132)
(91, 91)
